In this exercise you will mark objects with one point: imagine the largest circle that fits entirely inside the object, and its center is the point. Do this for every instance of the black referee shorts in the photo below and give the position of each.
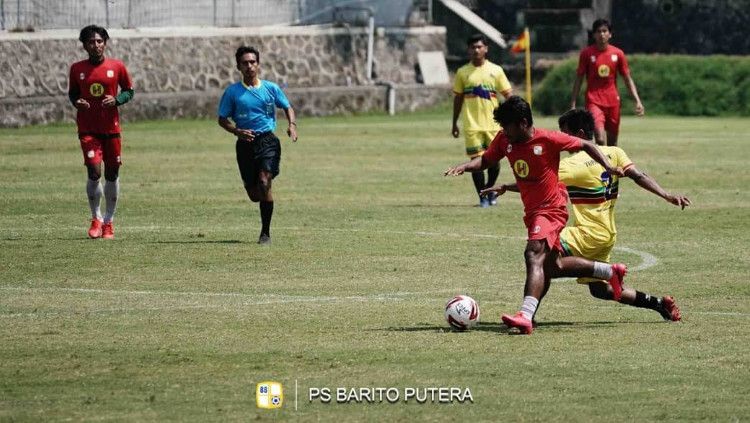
(262, 153)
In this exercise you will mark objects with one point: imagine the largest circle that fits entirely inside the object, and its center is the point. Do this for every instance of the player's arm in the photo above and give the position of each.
(292, 118)
(458, 103)
(500, 189)
(229, 126)
(576, 90)
(639, 110)
(74, 94)
(124, 96)
(649, 184)
(593, 151)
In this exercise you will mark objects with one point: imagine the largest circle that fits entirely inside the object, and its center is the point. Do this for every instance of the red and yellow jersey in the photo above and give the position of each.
(601, 68)
(592, 191)
(92, 82)
(480, 87)
(535, 165)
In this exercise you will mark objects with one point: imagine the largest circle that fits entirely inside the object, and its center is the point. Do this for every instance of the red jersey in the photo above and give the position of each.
(92, 82)
(600, 68)
(535, 165)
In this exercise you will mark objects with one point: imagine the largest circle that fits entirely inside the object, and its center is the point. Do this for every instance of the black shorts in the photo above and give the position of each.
(262, 153)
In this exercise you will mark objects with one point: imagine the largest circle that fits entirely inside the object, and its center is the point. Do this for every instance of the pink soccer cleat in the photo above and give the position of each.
(95, 230)
(519, 321)
(669, 309)
(619, 271)
(108, 231)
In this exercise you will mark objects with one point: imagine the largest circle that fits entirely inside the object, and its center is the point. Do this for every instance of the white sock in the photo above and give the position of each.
(94, 194)
(602, 271)
(111, 191)
(528, 308)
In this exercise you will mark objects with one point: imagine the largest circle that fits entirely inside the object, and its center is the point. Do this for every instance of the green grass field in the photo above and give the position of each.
(183, 313)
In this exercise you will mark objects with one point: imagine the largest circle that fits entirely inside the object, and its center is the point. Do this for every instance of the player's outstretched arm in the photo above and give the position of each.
(649, 184)
(474, 165)
(592, 150)
(500, 189)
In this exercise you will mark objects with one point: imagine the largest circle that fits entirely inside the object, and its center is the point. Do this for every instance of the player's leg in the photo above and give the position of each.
(269, 158)
(534, 288)
(599, 132)
(612, 124)
(112, 149)
(92, 159)
(474, 148)
(665, 306)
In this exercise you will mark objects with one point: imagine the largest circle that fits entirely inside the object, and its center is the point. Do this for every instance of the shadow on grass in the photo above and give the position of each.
(501, 328)
(200, 241)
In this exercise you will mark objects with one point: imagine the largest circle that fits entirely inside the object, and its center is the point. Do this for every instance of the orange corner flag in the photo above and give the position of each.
(521, 43)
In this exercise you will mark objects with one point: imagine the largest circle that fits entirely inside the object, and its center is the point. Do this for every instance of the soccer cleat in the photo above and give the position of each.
(519, 321)
(95, 230)
(493, 198)
(619, 271)
(264, 239)
(669, 309)
(484, 202)
(108, 231)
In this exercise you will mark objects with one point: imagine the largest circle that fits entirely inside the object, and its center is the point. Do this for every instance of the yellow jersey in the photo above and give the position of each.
(480, 87)
(593, 191)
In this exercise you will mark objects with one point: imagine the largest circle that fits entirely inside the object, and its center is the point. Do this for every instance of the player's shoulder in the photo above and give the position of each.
(615, 50)
(79, 64)
(270, 84)
(465, 68)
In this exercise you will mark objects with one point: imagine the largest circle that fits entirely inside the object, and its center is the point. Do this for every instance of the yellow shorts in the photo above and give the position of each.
(579, 243)
(478, 141)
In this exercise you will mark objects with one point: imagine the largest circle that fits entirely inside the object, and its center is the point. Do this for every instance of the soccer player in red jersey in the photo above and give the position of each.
(93, 90)
(600, 63)
(534, 157)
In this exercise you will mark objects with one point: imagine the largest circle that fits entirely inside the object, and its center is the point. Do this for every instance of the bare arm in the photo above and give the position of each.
(649, 184)
(639, 110)
(592, 150)
(474, 165)
(292, 118)
(229, 126)
(458, 103)
(576, 91)
(500, 189)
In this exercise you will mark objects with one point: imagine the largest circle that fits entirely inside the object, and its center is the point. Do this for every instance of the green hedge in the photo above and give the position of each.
(671, 85)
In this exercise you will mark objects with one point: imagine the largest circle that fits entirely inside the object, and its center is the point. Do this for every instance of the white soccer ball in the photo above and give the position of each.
(462, 312)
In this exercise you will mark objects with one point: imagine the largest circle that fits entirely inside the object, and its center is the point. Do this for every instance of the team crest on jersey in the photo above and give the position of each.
(593, 59)
(82, 76)
(536, 229)
(96, 89)
(614, 58)
(603, 71)
(110, 73)
(538, 150)
(521, 168)
(509, 149)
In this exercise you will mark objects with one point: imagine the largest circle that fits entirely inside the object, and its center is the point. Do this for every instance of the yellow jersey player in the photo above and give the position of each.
(475, 90)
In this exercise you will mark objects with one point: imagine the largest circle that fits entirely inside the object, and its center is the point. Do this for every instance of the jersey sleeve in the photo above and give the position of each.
(565, 142)
(496, 151)
(73, 88)
(458, 83)
(503, 85)
(280, 98)
(622, 64)
(582, 63)
(124, 78)
(226, 105)
(621, 159)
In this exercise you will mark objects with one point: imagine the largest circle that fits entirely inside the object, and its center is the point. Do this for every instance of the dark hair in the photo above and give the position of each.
(243, 50)
(477, 37)
(89, 31)
(578, 120)
(601, 22)
(513, 110)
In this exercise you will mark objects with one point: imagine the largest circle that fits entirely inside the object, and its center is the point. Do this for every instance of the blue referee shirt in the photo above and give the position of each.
(253, 108)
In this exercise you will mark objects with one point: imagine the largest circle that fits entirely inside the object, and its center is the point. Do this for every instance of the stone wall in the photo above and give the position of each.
(182, 73)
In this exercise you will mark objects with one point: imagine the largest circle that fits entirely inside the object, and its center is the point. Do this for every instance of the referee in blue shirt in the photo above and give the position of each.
(248, 110)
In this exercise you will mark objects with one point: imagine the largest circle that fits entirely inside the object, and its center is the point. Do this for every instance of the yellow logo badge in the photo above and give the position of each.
(269, 395)
(603, 71)
(96, 89)
(521, 168)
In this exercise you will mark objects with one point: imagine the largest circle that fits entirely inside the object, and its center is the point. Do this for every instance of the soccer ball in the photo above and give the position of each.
(462, 312)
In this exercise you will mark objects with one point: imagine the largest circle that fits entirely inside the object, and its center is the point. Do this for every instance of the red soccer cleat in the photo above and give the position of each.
(95, 230)
(669, 309)
(108, 231)
(619, 271)
(519, 321)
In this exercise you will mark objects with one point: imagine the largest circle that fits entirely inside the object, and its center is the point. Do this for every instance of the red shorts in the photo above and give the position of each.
(547, 225)
(96, 148)
(606, 117)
